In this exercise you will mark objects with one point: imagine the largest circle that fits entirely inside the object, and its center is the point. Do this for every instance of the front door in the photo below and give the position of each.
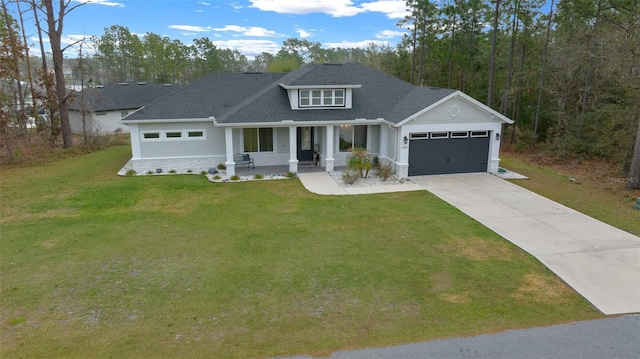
(305, 144)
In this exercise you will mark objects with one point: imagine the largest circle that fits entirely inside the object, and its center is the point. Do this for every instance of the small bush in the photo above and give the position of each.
(258, 176)
(235, 178)
(203, 172)
(172, 171)
(131, 173)
(385, 170)
(221, 166)
(216, 177)
(291, 175)
(189, 171)
(149, 172)
(350, 176)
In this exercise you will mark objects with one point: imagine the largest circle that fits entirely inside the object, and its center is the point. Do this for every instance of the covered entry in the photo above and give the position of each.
(448, 152)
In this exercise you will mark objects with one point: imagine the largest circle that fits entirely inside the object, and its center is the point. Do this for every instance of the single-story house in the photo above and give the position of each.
(105, 105)
(318, 112)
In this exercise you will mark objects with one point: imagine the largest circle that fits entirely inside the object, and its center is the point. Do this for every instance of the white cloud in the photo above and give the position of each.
(355, 44)
(192, 28)
(335, 8)
(236, 6)
(249, 31)
(304, 33)
(249, 48)
(101, 2)
(198, 10)
(203, 3)
(389, 34)
(394, 9)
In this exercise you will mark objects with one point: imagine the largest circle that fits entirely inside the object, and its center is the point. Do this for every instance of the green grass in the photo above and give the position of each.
(95, 266)
(601, 198)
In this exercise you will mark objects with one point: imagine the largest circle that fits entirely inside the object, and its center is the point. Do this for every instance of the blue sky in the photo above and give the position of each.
(249, 26)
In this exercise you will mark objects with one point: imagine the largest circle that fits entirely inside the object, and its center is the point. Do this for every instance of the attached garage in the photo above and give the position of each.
(433, 153)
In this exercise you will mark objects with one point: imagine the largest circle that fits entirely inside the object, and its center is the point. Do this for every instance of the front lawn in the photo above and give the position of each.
(98, 266)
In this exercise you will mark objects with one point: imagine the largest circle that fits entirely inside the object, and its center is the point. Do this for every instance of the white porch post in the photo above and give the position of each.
(293, 149)
(134, 132)
(384, 141)
(228, 138)
(329, 161)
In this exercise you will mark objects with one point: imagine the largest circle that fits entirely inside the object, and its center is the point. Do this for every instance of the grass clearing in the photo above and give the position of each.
(96, 265)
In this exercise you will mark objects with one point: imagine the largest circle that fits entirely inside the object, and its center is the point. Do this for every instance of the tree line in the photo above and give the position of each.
(567, 72)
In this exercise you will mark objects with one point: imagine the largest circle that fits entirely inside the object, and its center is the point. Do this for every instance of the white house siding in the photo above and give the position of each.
(106, 122)
(178, 154)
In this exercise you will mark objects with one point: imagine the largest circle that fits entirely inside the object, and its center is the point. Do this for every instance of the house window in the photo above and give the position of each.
(174, 134)
(438, 135)
(479, 133)
(151, 135)
(419, 136)
(123, 114)
(329, 98)
(101, 113)
(193, 134)
(460, 134)
(352, 137)
(258, 139)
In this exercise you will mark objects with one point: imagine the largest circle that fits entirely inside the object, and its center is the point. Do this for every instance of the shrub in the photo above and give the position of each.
(385, 170)
(221, 166)
(172, 171)
(131, 173)
(258, 176)
(216, 177)
(360, 161)
(350, 176)
(203, 172)
(189, 171)
(235, 178)
(291, 175)
(149, 172)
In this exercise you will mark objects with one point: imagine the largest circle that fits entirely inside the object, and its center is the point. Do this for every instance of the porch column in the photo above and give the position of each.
(329, 161)
(134, 132)
(228, 138)
(293, 149)
(384, 141)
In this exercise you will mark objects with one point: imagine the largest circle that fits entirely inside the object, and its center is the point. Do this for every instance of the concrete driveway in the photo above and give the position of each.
(599, 261)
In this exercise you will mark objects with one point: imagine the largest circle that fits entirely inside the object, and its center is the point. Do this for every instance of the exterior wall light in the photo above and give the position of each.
(406, 140)
(497, 136)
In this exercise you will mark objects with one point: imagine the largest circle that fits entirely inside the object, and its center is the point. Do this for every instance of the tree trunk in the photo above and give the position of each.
(542, 70)
(633, 182)
(492, 62)
(55, 35)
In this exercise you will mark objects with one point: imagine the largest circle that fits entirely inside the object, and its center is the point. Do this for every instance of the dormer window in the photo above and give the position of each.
(322, 98)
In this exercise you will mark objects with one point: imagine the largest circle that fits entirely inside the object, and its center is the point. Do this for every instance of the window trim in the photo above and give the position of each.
(273, 140)
(352, 126)
(459, 134)
(163, 135)
(438, 135)
(321, 98)
(474, 134)
(419, 136)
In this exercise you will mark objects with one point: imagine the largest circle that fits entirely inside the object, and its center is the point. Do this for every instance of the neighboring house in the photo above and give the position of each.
(105, 105)
(283, 119)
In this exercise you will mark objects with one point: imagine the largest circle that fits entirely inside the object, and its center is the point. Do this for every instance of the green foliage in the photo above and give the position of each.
(203, 172)
(258, 176)
(235, 178)
(360, 161)
(217, 177)
(172, 171)
(291, 175)
(149, 172)
(189, 171)
(131, 173)
(221, 166)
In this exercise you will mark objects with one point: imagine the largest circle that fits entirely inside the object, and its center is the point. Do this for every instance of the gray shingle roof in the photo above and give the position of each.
(121, 96)
(254, 98)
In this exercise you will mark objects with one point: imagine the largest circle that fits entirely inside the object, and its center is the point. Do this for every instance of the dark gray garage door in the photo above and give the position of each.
(448, 152)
